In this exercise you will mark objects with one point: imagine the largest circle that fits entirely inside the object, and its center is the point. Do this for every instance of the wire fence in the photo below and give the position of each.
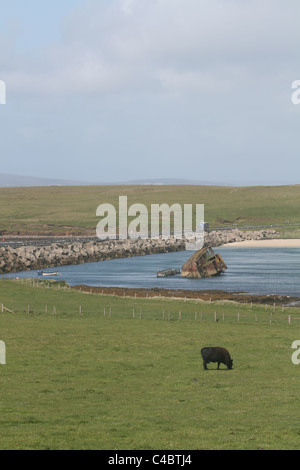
(156, 312)
(164, 309)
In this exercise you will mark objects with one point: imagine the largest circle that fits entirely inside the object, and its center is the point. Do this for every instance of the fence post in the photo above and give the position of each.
(238, 316)
(271, 317)
(215, 316)
(289, 319)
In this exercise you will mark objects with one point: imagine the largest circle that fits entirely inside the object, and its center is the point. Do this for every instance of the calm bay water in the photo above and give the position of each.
(250, 270)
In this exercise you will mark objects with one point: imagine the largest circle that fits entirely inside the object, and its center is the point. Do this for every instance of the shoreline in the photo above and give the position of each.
(267, 243)
(213, 295)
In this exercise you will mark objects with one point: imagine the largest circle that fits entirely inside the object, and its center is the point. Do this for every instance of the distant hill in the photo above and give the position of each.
(172, 181)
(9, 180)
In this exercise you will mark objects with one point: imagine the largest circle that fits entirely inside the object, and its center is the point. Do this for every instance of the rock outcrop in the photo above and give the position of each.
(222, 237)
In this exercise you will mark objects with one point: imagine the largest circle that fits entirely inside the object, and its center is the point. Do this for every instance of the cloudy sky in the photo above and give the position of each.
(117, 90)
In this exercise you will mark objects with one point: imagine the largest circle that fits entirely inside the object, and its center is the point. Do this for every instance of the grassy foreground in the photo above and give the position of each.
(77, 379)
(72, 210)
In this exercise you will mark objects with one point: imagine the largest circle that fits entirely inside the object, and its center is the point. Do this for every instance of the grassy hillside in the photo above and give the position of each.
(89, 381)
(62, 210)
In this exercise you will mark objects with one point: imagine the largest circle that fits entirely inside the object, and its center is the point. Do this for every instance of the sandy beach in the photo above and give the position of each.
(274, 243)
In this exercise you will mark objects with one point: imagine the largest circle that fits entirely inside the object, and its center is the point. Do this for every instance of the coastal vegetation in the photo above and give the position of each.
(66, 210)
(90, 371)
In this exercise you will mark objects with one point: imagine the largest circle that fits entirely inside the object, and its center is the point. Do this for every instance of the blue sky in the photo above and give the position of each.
(121, 90)
(37, 23)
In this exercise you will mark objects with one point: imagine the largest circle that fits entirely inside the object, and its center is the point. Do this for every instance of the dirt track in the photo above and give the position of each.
(207, 295)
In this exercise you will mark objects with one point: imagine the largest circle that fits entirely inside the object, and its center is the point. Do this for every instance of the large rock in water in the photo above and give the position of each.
(203, 263)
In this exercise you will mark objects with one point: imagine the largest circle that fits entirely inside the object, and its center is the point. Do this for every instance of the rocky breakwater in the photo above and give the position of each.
(223, 237)
(40, 256)
(28, 257)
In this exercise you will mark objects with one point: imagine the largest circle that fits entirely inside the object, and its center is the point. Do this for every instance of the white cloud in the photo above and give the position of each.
(181, 83)
(153, 45)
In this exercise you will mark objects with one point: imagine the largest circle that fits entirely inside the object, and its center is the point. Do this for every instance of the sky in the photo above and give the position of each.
(122, 90)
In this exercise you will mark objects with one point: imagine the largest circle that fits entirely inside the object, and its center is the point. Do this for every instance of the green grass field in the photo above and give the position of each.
(88, 381)
(72, 210)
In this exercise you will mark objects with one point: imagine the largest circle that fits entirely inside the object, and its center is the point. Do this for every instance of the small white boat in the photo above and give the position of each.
(42, 273)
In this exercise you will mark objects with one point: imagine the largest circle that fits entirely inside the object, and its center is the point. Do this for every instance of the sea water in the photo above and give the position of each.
(250, 270)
